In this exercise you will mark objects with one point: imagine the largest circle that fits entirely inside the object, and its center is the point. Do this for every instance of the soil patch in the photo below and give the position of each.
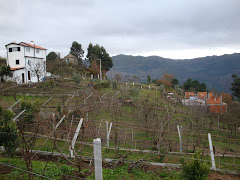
(5, 169)
(219, 176)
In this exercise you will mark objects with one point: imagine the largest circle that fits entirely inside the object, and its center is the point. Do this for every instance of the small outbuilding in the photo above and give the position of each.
(71, 59)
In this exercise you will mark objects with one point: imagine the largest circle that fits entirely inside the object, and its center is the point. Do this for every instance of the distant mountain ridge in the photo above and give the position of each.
(215, 71)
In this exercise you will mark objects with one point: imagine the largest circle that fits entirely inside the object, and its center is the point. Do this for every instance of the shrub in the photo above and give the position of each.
(161, 155)
(114, 85)
(8, 131)
(195, 169)
(76, 79)
(134, 92)
(106, 84)
(31, 109)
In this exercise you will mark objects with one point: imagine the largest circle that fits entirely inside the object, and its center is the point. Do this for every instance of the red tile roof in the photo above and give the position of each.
(12, 69)
(27, 45)
(70, 56)
(31, 45)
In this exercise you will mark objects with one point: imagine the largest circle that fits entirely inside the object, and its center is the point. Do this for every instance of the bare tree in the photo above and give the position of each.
(118, 77)
(37, 68)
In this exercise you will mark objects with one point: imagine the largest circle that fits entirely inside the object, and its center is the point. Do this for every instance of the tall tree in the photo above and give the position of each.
(52, 56)
(175, 82)
(149, 79)
(97, 53)
(194, 85)
(227, 98)
(118, 77)
(236, 86)
(77, 51)
(5, 70)
(167, 79)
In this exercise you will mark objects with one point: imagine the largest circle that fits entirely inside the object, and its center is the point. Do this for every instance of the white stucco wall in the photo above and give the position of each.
(16, 55)
(24, 58)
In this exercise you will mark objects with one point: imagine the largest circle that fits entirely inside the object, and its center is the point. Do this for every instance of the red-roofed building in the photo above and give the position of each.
(202, 95)
(189, 94)
(214, 103)
(27, 62)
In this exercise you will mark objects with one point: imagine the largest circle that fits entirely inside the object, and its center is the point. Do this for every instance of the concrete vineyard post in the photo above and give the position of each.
(180, 137)
(97, 149)
(211, 152)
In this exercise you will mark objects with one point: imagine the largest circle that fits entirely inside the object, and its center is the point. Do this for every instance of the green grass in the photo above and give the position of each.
(126, 121)
(135, 156)
(59, 170)
(53, 170)
(122, 172)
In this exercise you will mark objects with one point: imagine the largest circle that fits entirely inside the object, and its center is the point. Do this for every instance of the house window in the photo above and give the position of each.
(14, 49)
(28, 62)
(29, 75)
(17, 61)
(37, 50)
(28, 49)
(67, 60)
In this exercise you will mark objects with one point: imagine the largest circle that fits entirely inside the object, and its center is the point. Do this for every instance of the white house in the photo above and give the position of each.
(27, 62)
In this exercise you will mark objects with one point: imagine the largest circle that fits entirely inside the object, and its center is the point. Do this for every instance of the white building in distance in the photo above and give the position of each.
(27, 62)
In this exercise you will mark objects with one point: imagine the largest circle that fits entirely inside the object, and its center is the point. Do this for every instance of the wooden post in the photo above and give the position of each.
(160, 138)
(97, 149)
(132, 138)
(211, 152)
(87, 116)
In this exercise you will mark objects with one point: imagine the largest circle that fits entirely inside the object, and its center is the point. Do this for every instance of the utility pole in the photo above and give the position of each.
(100, 69)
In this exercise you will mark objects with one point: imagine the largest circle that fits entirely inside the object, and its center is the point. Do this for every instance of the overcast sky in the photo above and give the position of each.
(168, 28)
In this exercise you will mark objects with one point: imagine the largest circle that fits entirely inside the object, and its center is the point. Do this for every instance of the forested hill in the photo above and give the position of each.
(215, 71)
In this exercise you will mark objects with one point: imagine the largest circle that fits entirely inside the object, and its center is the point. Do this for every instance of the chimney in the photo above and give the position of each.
(32, 42)
(14, 41)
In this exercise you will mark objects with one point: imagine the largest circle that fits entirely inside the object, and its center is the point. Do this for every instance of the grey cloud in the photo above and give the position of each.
(134, 26)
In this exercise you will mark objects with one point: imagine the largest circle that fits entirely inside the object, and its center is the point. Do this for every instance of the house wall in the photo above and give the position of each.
(216, 100)
(32, 64)
(189, 94)
(71, 60)
(17, 76)
(41, 54)
(218, 108)
(25, 58)
(15, 55)
(202, 95)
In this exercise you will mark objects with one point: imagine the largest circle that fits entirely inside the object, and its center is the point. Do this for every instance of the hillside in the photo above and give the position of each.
(215, 71)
